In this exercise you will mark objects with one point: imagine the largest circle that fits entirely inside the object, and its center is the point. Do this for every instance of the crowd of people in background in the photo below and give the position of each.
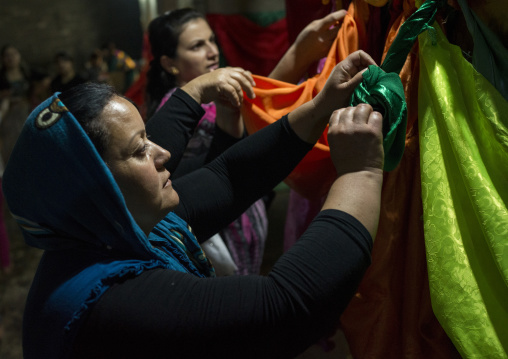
(19, 80)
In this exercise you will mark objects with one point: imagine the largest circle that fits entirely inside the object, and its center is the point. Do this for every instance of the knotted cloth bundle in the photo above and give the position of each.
(384, 92)
(381, 88)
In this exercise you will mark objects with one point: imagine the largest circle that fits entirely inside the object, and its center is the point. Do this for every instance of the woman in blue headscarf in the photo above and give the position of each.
(123, 275)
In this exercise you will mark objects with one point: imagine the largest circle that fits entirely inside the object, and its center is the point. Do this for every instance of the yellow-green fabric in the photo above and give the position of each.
(463, 125)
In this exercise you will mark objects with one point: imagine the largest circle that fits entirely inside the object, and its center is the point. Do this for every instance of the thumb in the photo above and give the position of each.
(357, 79)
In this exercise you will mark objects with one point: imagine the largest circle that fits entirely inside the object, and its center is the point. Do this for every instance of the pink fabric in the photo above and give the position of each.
(245, 237)
(301, 211)
(210, 109)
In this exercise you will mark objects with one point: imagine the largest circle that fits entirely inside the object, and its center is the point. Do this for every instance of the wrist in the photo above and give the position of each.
(359, 194)
(193, 91)
(229, 120)
(292, 67)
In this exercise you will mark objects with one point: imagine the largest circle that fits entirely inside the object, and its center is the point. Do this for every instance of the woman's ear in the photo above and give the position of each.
(167, 64)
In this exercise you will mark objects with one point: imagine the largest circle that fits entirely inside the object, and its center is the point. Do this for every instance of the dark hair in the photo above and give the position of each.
(164, 32)
(62, 55)
(86, 102)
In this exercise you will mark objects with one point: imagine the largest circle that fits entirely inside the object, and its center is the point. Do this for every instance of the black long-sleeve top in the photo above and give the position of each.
(168, 314)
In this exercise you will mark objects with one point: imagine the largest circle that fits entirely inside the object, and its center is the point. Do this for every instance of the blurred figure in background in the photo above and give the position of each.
(67, 76)
(96, 69)
(121, 67)
(5, 260)
(14, 74)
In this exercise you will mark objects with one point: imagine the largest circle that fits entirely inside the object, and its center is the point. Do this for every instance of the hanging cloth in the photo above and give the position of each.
(464, 152)
(395, 288)
(381, 86)
(315, 173)
(384, 91)
(247, 44)
(490, 57)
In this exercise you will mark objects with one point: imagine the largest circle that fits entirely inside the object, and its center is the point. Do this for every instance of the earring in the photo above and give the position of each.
(174, 71)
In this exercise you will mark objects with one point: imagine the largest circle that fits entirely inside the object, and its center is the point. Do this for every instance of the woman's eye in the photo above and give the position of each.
(197, 46)
(142, 151)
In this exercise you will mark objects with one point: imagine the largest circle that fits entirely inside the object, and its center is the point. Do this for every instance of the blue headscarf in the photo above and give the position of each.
(66, 201)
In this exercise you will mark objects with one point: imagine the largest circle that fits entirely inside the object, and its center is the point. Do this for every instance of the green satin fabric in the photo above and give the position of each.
(463, 125)
(382, 88)
(384, 92)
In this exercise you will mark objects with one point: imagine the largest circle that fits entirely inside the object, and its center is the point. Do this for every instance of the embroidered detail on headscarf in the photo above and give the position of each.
(51, 114)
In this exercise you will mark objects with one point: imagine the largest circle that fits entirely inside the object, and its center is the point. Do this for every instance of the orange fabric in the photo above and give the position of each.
(391, 315)
(315, 173)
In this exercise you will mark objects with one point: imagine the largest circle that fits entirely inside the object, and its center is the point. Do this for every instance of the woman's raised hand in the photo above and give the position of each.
(312, 44)
(310, 119)
(315, 40)
(355, 137)
(341, 83)
(224, 85)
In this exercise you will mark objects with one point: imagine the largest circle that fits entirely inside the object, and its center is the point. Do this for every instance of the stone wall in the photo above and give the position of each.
(39, 29)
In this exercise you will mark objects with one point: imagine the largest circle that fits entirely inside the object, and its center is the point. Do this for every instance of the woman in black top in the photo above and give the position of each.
(152, 309)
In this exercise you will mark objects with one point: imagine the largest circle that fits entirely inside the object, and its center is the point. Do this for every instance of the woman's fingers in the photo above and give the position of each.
(235, 81)
(333, 19)
(361, 114)
(355, 139)
(245, 80)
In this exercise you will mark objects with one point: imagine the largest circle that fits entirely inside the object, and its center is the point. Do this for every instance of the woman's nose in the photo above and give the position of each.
(161, 156)
(213, 50)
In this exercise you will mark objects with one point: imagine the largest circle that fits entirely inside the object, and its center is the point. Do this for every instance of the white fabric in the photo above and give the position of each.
(216, 250)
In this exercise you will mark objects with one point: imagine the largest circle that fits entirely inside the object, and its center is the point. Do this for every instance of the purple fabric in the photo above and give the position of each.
(301, 211)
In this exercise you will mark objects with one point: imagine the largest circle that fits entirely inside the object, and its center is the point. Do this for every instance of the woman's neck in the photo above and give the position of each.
(14, 74)
(68, 76)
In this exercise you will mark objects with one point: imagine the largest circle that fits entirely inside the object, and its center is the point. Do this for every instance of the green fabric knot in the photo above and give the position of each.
(384, 92)
(382, 88)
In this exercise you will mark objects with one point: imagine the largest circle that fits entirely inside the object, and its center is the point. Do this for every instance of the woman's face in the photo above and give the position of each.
(137, 165)
(11, 58)
(197, 53)
(64, 66)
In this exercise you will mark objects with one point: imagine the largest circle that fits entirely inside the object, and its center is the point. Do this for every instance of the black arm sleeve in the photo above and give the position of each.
(163, 313)
(213, 196)
(221, 141)
(173, 125)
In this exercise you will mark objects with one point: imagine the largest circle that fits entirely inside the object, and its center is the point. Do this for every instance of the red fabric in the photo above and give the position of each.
(138, 89)
(302, 12)
(248, 45)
